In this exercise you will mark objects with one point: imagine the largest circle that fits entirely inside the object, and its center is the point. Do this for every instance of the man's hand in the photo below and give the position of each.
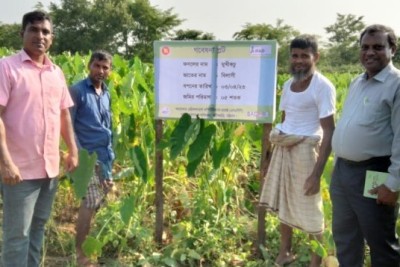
(71, 161)
(10, 174)
(385, 196)
(312, 185)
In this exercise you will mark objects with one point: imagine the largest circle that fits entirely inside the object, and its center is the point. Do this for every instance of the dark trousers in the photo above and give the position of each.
(356, 218)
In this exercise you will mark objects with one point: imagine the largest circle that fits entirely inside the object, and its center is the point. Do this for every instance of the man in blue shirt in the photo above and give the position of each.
(91, 117)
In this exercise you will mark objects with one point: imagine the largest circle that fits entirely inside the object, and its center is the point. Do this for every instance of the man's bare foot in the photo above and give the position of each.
(284, 259)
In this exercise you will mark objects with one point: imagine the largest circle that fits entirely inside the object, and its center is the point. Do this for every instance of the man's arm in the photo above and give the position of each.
(388, 193)
(8, 170)
(312, 184)
(67, 133)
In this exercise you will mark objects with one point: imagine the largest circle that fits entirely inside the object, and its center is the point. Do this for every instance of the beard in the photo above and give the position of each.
(301, 75)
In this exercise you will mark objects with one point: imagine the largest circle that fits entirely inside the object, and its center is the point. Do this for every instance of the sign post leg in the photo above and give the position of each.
(265, 158)
(159, 201)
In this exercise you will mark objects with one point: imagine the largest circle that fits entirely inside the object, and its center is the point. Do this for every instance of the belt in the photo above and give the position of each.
(367, 161)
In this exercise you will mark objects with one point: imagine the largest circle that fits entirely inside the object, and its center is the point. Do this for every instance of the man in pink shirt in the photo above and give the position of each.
(34, 102)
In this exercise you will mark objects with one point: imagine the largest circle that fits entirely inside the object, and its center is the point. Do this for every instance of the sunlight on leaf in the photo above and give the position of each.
(127, 209)
(92, 247)
(318, 248)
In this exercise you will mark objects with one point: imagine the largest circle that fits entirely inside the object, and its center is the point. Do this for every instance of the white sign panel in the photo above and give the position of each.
(216, 80)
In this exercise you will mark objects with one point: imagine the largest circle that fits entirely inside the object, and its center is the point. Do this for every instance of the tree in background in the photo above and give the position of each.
(150, 24)
(192, 35)
(9, 35)
(120, 26)
(129, 27)
(344, 40)
(281, 32)
(396, 58)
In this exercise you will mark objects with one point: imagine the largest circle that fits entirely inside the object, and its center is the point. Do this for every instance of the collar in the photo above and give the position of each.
(90, 85)
(25, 57)
(383, 74)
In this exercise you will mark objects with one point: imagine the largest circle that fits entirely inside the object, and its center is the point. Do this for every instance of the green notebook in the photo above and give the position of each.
(372, 180)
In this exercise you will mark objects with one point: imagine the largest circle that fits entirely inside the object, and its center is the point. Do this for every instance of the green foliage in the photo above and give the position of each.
(396, 58)
(282, 33)
(344, 39)
(92, 247)
(201, 144)
(126, 27)
(151, 24)
(139, 162)
(220, 151)
(192, 35)
(209, 220)
(346, 29)
(341, 82)
(178, 140)
(84, 172)
(127, 209)
(198, 138)
(9, 35)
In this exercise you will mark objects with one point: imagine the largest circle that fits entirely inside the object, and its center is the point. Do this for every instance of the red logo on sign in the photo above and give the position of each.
(165, 50)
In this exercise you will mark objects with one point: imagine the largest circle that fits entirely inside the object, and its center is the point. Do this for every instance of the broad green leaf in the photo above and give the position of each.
(193, 131)
(127, 83)
(199, 147)
(118, 62)
(127, 209)
(192, 166)
(264, 252)
(131, 128)
(141, 83)
(124, 173)
(178, 135)
(123, 106)
(92, 247)
(220, 152)
(83, 173)
(194, 255)
(254, 131)
(139, 162)
(162, 144)
(247, 148)
(170, 262)
(318, 248)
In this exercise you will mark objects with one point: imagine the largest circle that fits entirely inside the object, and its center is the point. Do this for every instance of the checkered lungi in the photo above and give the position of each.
(96, 192)
(293, 159)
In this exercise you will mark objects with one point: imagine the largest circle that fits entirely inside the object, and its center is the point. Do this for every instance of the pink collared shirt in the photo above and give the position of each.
(33, 98)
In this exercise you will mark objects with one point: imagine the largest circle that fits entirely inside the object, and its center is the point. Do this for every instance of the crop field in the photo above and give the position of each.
(210, 190)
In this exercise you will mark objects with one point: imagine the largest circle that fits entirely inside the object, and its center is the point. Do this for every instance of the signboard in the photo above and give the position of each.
(229, 80)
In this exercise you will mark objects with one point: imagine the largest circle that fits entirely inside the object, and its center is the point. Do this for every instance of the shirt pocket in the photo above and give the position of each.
(372, 114)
